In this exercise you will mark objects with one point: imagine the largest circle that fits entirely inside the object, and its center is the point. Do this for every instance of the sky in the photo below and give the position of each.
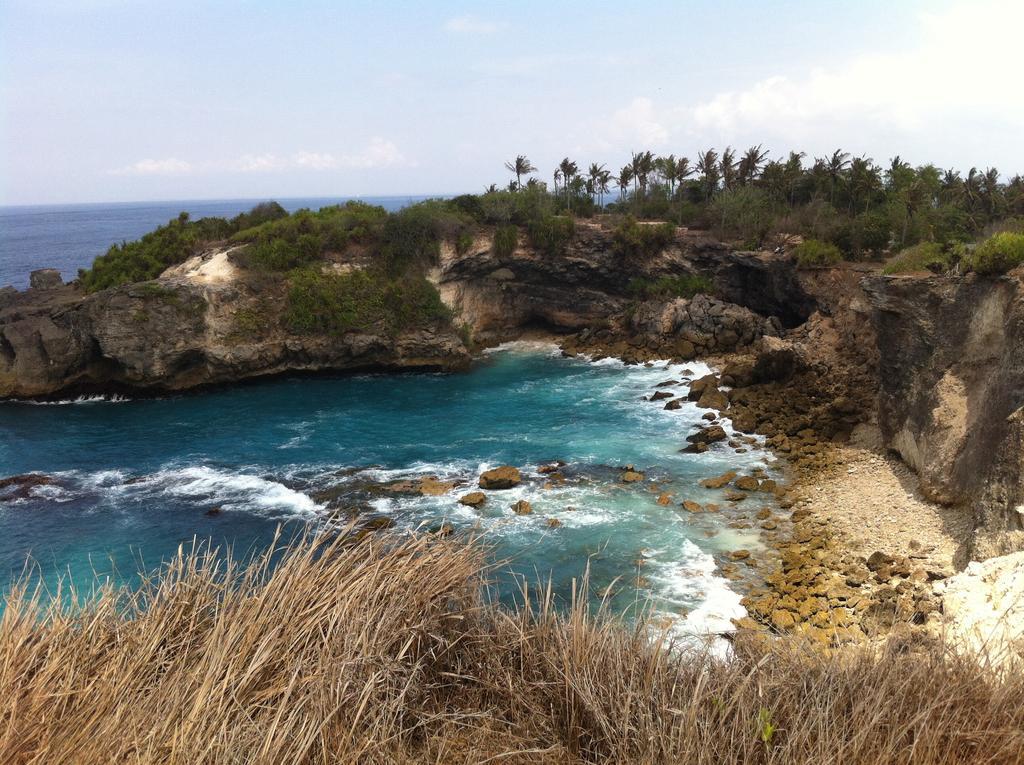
(110, 100)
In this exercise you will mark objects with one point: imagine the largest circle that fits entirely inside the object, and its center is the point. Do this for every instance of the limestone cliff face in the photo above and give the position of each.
(197, 325)
(951, 393)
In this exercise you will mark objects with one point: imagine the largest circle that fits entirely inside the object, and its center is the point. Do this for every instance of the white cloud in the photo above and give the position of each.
(258, 163)
(379, 152)
(963, 72)
(169, 166)
(638, 124)
(471, 25)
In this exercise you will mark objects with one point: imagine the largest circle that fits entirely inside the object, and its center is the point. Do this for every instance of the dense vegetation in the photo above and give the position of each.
(360, 300)
(840, 206)
(383, 651)
(851, 202)
(167, 246)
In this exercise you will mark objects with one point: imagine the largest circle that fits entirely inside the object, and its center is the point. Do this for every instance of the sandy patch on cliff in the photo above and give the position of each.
(873, 502)
(208, 268)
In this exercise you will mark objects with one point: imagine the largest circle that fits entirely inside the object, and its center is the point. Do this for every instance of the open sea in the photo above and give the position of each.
(136, 478)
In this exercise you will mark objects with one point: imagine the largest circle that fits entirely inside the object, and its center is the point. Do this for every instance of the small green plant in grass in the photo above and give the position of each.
(765, 728)
(814, 252)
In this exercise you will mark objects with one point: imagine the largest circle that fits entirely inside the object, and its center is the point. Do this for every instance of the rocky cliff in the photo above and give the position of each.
(203, 323)
(951, 393)
(209, 321)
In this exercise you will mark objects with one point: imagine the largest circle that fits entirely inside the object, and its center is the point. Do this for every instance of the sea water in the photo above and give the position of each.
(136, 478)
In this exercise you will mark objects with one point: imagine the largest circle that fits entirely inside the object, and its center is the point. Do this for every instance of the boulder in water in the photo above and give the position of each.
(431, 487)
(708, 435)
(747, 483)
(20, 486)
(473, 499)
(522, 507)
(504, 477)
(718, 481)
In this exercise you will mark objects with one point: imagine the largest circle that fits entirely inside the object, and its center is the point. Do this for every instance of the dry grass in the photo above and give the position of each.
(385, 651)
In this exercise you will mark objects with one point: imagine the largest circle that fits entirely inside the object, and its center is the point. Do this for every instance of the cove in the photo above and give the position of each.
(133, 479)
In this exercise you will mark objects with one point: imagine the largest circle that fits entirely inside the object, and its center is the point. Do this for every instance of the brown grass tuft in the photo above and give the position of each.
(381, 651)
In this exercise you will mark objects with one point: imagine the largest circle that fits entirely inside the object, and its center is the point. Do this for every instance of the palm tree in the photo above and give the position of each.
(492, 189)
(647, 166)
(683, 169)
(707, 166)
(520, 166)
(991, 191)
(668, 169)
(557, 178)
(835, 166)
(865, 182)
(602, 185)
(569, 170)
(594, 175)
(727, 167)
(750, 164)
(624, 179)
(793, 173)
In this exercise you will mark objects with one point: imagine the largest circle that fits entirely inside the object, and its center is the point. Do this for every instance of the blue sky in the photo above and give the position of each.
(103, 100)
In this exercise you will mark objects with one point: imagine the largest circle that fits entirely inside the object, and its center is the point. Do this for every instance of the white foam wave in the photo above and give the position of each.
(234, 490)
(692, 579)
(110, 398)
(534, 347)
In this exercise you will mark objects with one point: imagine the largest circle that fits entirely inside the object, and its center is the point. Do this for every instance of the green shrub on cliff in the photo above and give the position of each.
(143, 259)
(551, 234)
(505, 240)
(813, 252)
(283, 243)
(927, 256)
(667, 287)
(169, 245)
(262, 213)
(360, 300)
(412, 236)
(998, 254)
(642, 240)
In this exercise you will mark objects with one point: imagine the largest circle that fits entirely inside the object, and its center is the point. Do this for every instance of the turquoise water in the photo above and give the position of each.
(136, 478)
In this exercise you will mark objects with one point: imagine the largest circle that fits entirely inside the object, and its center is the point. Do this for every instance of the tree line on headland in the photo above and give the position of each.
(824, 210)
(861, 208)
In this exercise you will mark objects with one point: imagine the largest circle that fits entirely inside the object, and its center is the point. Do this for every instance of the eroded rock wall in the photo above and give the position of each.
(951, 393)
